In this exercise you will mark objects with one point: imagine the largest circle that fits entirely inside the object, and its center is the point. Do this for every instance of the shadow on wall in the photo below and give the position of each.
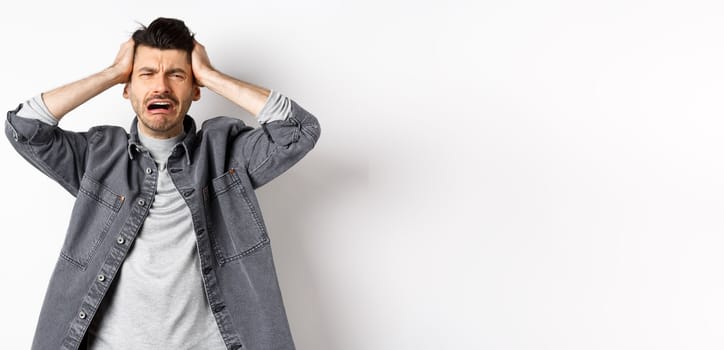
(294, 205)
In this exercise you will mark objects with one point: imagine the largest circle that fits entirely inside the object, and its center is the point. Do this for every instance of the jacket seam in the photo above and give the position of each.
(294, 137)
(97, 198)
(72, 261)
(264, 242)
(50, 170)
(269, 156)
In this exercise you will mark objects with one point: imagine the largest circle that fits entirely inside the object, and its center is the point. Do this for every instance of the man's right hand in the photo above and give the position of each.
(123, 64)
(63, 99)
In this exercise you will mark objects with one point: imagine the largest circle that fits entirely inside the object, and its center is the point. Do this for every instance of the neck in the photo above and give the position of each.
(160, 148)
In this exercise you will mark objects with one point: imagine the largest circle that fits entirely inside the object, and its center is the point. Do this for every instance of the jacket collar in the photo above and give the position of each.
(134, 144)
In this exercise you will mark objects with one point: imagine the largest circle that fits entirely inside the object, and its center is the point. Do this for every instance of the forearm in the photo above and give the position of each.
(248, 96)
(62, 100)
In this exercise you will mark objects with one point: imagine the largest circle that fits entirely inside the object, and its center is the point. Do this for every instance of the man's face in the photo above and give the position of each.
(161, 90)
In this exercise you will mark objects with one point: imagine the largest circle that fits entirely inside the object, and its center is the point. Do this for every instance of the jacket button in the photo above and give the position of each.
(120, 240)
(149, 170)
(141, 202)
(82, 315)
(101, 277)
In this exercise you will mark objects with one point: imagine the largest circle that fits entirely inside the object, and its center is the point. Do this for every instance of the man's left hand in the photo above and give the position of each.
(200, 64)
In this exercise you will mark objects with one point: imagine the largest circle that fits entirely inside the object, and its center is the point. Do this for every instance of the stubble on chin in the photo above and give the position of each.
(157, 126)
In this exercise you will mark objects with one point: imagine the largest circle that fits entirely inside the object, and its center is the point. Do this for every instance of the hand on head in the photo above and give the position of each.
(200, 63)
(123, 64)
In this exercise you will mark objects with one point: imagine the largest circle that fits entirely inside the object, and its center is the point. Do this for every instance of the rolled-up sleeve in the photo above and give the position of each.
(35, 108)
(277, 107)
(58, 153)
(271, 149)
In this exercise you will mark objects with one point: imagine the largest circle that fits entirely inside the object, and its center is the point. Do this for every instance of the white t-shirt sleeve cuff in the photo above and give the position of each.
(35, 108)
(277, 107)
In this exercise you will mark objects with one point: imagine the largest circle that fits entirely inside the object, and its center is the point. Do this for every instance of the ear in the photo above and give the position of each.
(125, 91)
(197, 93)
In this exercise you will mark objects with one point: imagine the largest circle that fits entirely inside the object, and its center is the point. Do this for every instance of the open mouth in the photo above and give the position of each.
(159, 106)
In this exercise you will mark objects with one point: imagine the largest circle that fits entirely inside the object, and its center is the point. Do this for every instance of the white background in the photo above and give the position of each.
(490, 175)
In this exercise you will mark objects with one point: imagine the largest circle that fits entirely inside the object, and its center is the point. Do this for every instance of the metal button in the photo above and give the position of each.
(141, 202)
(101, 277)
(82, 315)
(120, 240)
(149, 170)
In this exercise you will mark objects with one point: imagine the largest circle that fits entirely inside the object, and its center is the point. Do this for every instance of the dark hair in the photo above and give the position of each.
(165, 33)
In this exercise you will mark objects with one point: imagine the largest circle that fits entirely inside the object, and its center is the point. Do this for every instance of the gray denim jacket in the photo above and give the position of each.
(216, 169)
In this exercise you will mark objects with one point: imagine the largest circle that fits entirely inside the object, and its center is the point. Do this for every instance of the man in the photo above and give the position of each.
(167, 247)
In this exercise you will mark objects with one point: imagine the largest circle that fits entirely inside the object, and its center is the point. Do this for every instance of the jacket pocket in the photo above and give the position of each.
(236, 228)
(96, 206)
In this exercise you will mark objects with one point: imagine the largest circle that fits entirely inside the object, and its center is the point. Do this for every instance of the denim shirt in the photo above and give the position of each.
(216, 169)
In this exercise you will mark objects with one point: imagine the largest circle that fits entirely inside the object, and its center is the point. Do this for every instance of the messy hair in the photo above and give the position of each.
(165, 33)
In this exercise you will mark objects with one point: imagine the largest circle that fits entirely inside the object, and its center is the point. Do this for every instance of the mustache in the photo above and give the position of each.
(162, 97)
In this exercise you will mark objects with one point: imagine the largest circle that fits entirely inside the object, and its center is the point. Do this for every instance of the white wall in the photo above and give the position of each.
(491, 175)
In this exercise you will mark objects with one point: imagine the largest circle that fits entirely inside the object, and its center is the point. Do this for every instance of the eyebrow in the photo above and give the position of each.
(154, 70)
(175, 70)
(147, 69)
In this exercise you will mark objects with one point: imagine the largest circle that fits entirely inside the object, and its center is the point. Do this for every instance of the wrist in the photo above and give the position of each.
(207, 76)
(116, 74)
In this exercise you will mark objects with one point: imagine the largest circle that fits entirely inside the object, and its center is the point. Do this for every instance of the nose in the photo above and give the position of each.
(160, 84)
